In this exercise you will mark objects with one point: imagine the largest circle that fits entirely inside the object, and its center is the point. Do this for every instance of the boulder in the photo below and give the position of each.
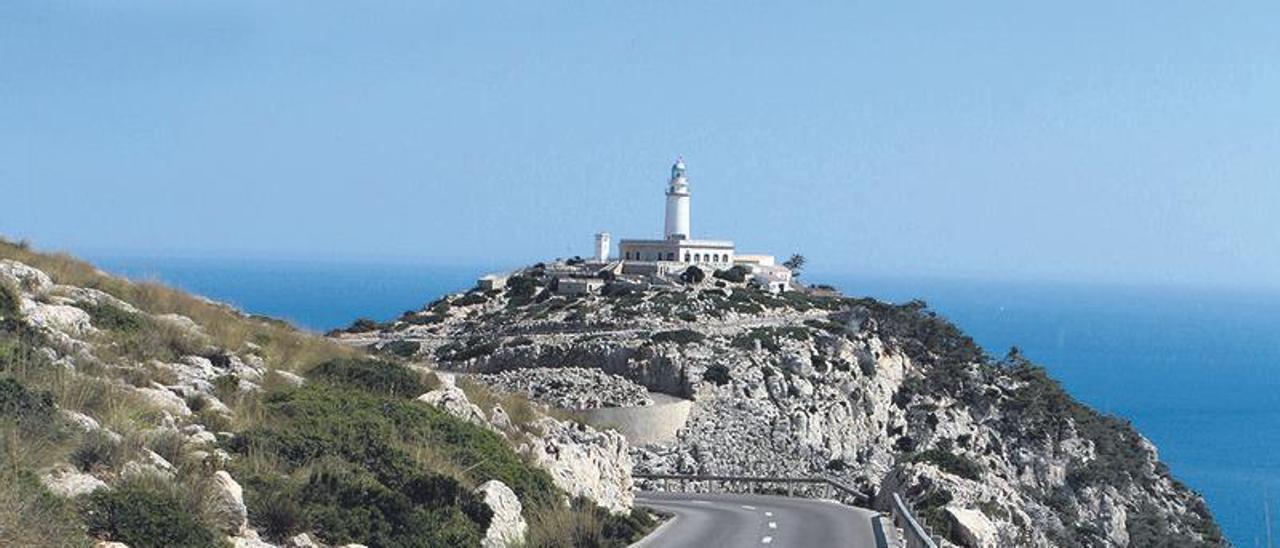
(58, 318)
(453, 401)
(164, 399)
(228, 503)
(249, 539)
(301, 540)
(972, 527)
(507, 527)
(64, 480)
(585, 462)
(25, 278)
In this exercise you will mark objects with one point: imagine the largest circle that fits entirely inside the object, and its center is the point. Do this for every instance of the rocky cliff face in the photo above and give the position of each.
(891, 399)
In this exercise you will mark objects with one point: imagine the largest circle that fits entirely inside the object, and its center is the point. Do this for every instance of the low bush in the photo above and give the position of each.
(27, 407)
(97, 450)
(144, 518)
(369, 468)
(583, 524)
(471, 299)
(736, 274)
(950, 463)
(32, 516)
(717, 374)
(377, 376)
(111, 317)
(401, 348)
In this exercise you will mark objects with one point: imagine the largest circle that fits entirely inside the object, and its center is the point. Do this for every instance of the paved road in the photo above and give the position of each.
(704, 520)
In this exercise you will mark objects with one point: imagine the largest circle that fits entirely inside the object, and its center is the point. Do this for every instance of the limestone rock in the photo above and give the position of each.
(301, 540)
(228, 503)
(25, 278)
(507, 528)
(453, 400)
(64, 480)
(249, 538)
(586, 462)
(58, 318)
(972, 527)
(164, 399)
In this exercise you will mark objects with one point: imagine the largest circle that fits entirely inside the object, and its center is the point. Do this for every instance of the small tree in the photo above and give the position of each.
(795, 263)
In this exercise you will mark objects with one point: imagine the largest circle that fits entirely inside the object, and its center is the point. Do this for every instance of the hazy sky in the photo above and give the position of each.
(1123, 141)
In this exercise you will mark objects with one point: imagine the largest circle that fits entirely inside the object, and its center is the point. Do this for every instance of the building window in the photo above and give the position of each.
(671, 256)
(686, 256)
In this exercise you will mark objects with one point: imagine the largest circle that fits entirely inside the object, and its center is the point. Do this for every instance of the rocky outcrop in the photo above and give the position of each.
(569, 387)
(453, 400)
(885, 398)
(507, 526)
(228, 503)
(66, 481)
(586, 462)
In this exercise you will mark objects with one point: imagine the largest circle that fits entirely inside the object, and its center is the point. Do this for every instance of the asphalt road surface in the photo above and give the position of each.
(706, 520)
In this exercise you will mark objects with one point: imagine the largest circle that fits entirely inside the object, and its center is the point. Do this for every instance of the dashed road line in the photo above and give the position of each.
(766, 540)
(773, 525)
(745, 507)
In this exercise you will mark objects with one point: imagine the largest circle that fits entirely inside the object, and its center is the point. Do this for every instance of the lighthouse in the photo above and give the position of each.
(677, 225)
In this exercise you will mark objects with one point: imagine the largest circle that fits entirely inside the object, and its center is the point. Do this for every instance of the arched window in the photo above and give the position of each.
(715, 258)
(726, 257)
(686, 256)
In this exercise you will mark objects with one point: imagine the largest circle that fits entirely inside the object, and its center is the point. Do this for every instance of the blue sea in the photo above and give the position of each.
(1196, 370)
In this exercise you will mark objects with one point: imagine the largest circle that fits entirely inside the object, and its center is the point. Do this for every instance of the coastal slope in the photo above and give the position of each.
(888, 398)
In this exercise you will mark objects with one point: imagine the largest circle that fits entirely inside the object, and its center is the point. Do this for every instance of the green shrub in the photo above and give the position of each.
(97, 450)
(378, 376)
(402, 348)
(472, 298)
(717, 374)
(678, 336)
(26, 406)
(32, 516)
(144, 518)
(10, 304)
(111, 317)
(736, 274)
(277, 513)
(950, 463)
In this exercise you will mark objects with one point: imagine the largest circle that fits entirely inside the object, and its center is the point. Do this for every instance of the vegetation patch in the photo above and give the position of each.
(678, 336)
(950, 463)
(369, 468)
(376, 376)
(145, 517)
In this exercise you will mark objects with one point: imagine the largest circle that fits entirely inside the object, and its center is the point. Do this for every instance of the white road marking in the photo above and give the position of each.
(766, 540)
(768, 514)
(700, 501)
(773, 525)
(745, 507)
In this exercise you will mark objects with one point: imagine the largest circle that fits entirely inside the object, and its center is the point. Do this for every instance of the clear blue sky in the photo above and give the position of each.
(1121, 141)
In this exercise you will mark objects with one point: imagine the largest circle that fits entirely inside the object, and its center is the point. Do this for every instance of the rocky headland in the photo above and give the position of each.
(887, 398)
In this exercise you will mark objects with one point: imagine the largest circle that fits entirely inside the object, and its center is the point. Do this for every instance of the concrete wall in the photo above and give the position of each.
(657, 423)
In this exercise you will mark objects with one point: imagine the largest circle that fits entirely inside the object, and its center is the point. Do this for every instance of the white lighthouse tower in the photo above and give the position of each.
(677, 226)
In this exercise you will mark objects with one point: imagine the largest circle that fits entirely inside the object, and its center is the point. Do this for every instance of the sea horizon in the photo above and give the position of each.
(1192, 367)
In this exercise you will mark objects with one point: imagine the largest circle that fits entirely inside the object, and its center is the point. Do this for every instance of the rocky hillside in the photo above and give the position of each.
(136, 415)
(890, 398)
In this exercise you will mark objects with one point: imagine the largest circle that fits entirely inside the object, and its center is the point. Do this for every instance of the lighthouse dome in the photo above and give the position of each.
(677, 169)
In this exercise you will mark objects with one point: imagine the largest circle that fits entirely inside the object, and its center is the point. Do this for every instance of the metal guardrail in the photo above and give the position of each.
(914, 533)
(829, 485)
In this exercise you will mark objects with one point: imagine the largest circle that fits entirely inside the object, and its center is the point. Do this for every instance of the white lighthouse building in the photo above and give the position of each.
(677, 225)
(678, 244)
